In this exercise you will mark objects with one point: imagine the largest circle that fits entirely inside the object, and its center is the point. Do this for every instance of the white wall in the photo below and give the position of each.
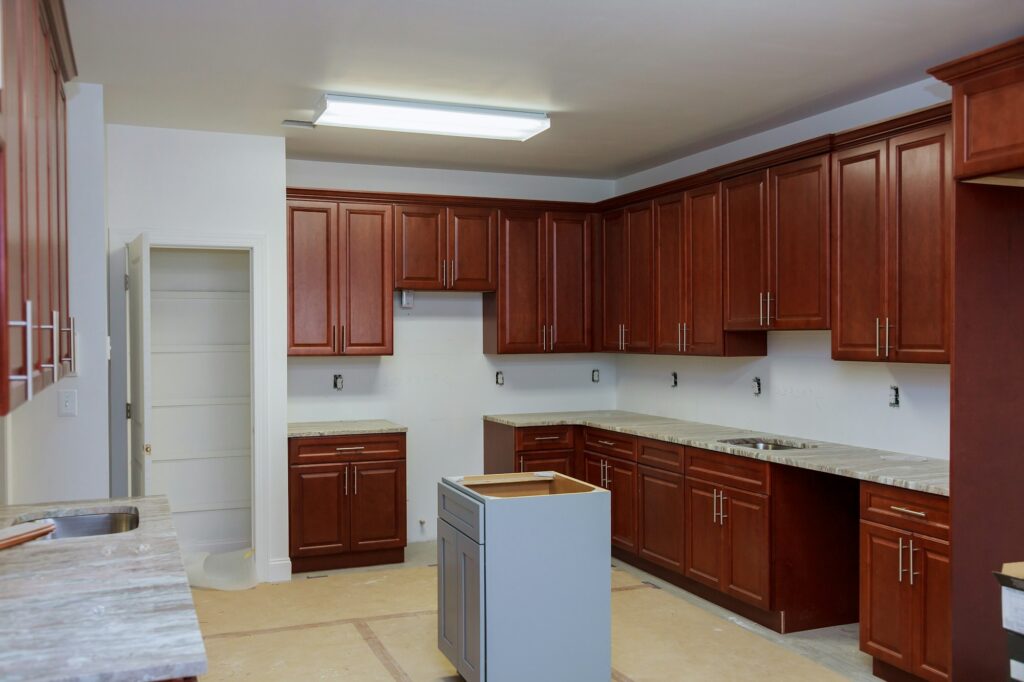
(66, 458)
(439, 384)
(804, 393)
(186, 187)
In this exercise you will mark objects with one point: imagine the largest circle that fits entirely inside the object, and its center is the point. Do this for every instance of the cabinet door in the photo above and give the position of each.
(365, 279)
(378, 505)
(560, 461)
(471, 608)
(798, 244)
(568, 282)
(472, 249)
(920, 245)
(933, 637)
(703, 534)
(748, 548)
(521, 271)
(669, 294)
(319, 509)
(12, 349)
(622, 484)
(312, 278)
(614, 285)
(639, 333)
(661, 517)
(858, 252)
(593, 469)
(448, 639)
(703, 270)
(886, 597)
(421, 247)
(745, 229)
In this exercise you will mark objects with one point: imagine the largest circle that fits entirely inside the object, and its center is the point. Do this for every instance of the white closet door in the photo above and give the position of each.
(139, 369)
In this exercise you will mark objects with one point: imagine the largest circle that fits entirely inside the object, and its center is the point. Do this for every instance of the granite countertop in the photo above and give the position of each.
(114, 607)
(914, 472)
(349, 427)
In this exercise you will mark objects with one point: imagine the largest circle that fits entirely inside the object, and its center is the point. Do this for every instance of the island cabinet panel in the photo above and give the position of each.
(347, 501)
(660, 520)
(745, 228)
(421, 247)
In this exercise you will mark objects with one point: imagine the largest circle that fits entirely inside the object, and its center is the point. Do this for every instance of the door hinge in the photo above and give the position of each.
(127, 410)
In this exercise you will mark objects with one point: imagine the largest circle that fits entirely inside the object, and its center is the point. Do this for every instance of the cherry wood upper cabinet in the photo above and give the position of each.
(472, 249)
(312, 278)
(614, 272)
(514, 317)
(798, 245)
(568, 255)
(639, 329)
(745, 228)
(365, 279)
(670, 292)
(892, 214)
(421, 247)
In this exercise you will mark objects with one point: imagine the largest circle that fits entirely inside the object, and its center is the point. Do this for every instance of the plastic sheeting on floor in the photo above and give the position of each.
(222, 571)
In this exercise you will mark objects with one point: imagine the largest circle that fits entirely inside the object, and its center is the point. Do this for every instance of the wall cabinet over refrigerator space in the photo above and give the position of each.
(446, 248)
(340, 278)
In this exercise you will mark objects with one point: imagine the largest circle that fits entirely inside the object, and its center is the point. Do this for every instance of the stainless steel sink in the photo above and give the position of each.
(766, 444)
(76, 525)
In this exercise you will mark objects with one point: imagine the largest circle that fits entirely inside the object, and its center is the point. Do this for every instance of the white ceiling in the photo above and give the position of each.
(628, 84)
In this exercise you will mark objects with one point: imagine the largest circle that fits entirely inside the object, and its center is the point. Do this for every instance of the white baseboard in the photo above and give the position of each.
(278, 571)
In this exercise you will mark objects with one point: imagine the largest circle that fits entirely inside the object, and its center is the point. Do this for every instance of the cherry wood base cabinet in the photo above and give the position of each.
(37, 60)
(538, 448)
(905, 607)
(347, 500)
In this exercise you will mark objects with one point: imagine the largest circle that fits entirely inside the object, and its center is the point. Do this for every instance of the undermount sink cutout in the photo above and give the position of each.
(766, 444)
(87, 523)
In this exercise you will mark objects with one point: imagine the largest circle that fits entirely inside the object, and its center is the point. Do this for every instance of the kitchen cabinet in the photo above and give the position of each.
(627, 279)
(618, 477)
(660, 518)
(340, 280)
(705, 542)
(745, 231)
(537, 448)
(905, 611)
(544, 268)
(37, 59)
(347, 501)
(446, 248)
(892, 255)
(553, 460)
(688, 279)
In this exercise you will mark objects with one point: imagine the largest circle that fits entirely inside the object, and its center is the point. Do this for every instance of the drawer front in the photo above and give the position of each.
(732, 470)
(462, 512)
(346, 448)
(610, 443)
(544, 438)
(656, 453)
(908, 510)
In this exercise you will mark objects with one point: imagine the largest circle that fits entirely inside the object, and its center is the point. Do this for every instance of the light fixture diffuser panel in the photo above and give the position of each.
(430, 118)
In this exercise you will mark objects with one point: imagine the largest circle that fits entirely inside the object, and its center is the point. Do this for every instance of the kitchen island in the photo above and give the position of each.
(111, 607)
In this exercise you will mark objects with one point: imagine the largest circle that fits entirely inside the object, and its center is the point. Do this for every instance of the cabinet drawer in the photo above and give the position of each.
(346, 448)
(610, 443)
(544, 438)
(461, 512)
(732, 470)
(905, 509)
(656, 453)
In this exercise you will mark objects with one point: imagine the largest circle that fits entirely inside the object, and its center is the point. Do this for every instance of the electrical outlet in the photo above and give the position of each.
(757, 386)
(675, 379)
(339, 382)
(894, 396)
(595, 375)
(499, 378)
(67, 403)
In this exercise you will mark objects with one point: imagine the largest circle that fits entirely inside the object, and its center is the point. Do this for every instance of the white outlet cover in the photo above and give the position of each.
(67, 403)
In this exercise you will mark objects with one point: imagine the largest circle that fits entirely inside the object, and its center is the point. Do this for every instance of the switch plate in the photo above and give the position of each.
(339, 382)
(405, 299)
(595, 375)
(499, 378)
(67, 402)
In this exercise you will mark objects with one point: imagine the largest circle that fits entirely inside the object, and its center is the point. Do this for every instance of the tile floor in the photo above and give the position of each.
(380, 624)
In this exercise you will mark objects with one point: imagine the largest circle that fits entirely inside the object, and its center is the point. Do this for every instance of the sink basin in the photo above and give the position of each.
(765, 444)
(88, 522)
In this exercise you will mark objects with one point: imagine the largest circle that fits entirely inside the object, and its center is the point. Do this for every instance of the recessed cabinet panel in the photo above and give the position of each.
(704, 536)
(670, 293)
(614, 281)
(472, 249)
(420, 247)
(319, 509)
(312, 283)
(661, 517)
(744, 224)
(364, 271)
(568, 282)
(378, 505)
(639, 321)
(886, 600)
(703, 270)
(522, 273)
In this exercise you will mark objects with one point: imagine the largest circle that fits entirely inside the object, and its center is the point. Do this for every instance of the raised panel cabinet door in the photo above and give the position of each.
(472, 248)
(421, 247)
(366, 284)
(702, 232)
(614, 281)
(594, 470)
(661, 517)
(621, 476)
(378, 505)
(568, 282)
(447, 590)
(471, 608)
(921, 245)
(560, 461)
(798, 244)
(858, 200)
(312, 278)
(933, 638)
(703, 535)
(748, 546)
(319, 519)
(669, 292)
(521, 272)
(886, 597)
(745, 235)
(639, 332)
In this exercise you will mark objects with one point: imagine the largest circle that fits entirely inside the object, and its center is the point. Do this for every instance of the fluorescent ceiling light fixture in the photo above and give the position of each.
(408, 116)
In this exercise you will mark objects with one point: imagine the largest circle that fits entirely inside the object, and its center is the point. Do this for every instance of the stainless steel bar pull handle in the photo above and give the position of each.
(714, 505)
(27, 323)
(544, 337)
(334, 337)
(684, 336)
(679, 337)
(349, 448)
(521, 460)
(54, 327)
(444, 274)
(547, 437)
(606, 442)
(72, 357)
(721, 507)
(904, 510)
(355, 480)
(346, 480)
(899, 562)
(912, 550)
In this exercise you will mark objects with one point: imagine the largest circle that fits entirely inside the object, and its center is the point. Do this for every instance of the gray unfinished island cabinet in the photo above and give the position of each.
(524, 577)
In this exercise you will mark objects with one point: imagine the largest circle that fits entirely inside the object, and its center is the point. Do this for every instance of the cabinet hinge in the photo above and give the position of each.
(127, 410)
